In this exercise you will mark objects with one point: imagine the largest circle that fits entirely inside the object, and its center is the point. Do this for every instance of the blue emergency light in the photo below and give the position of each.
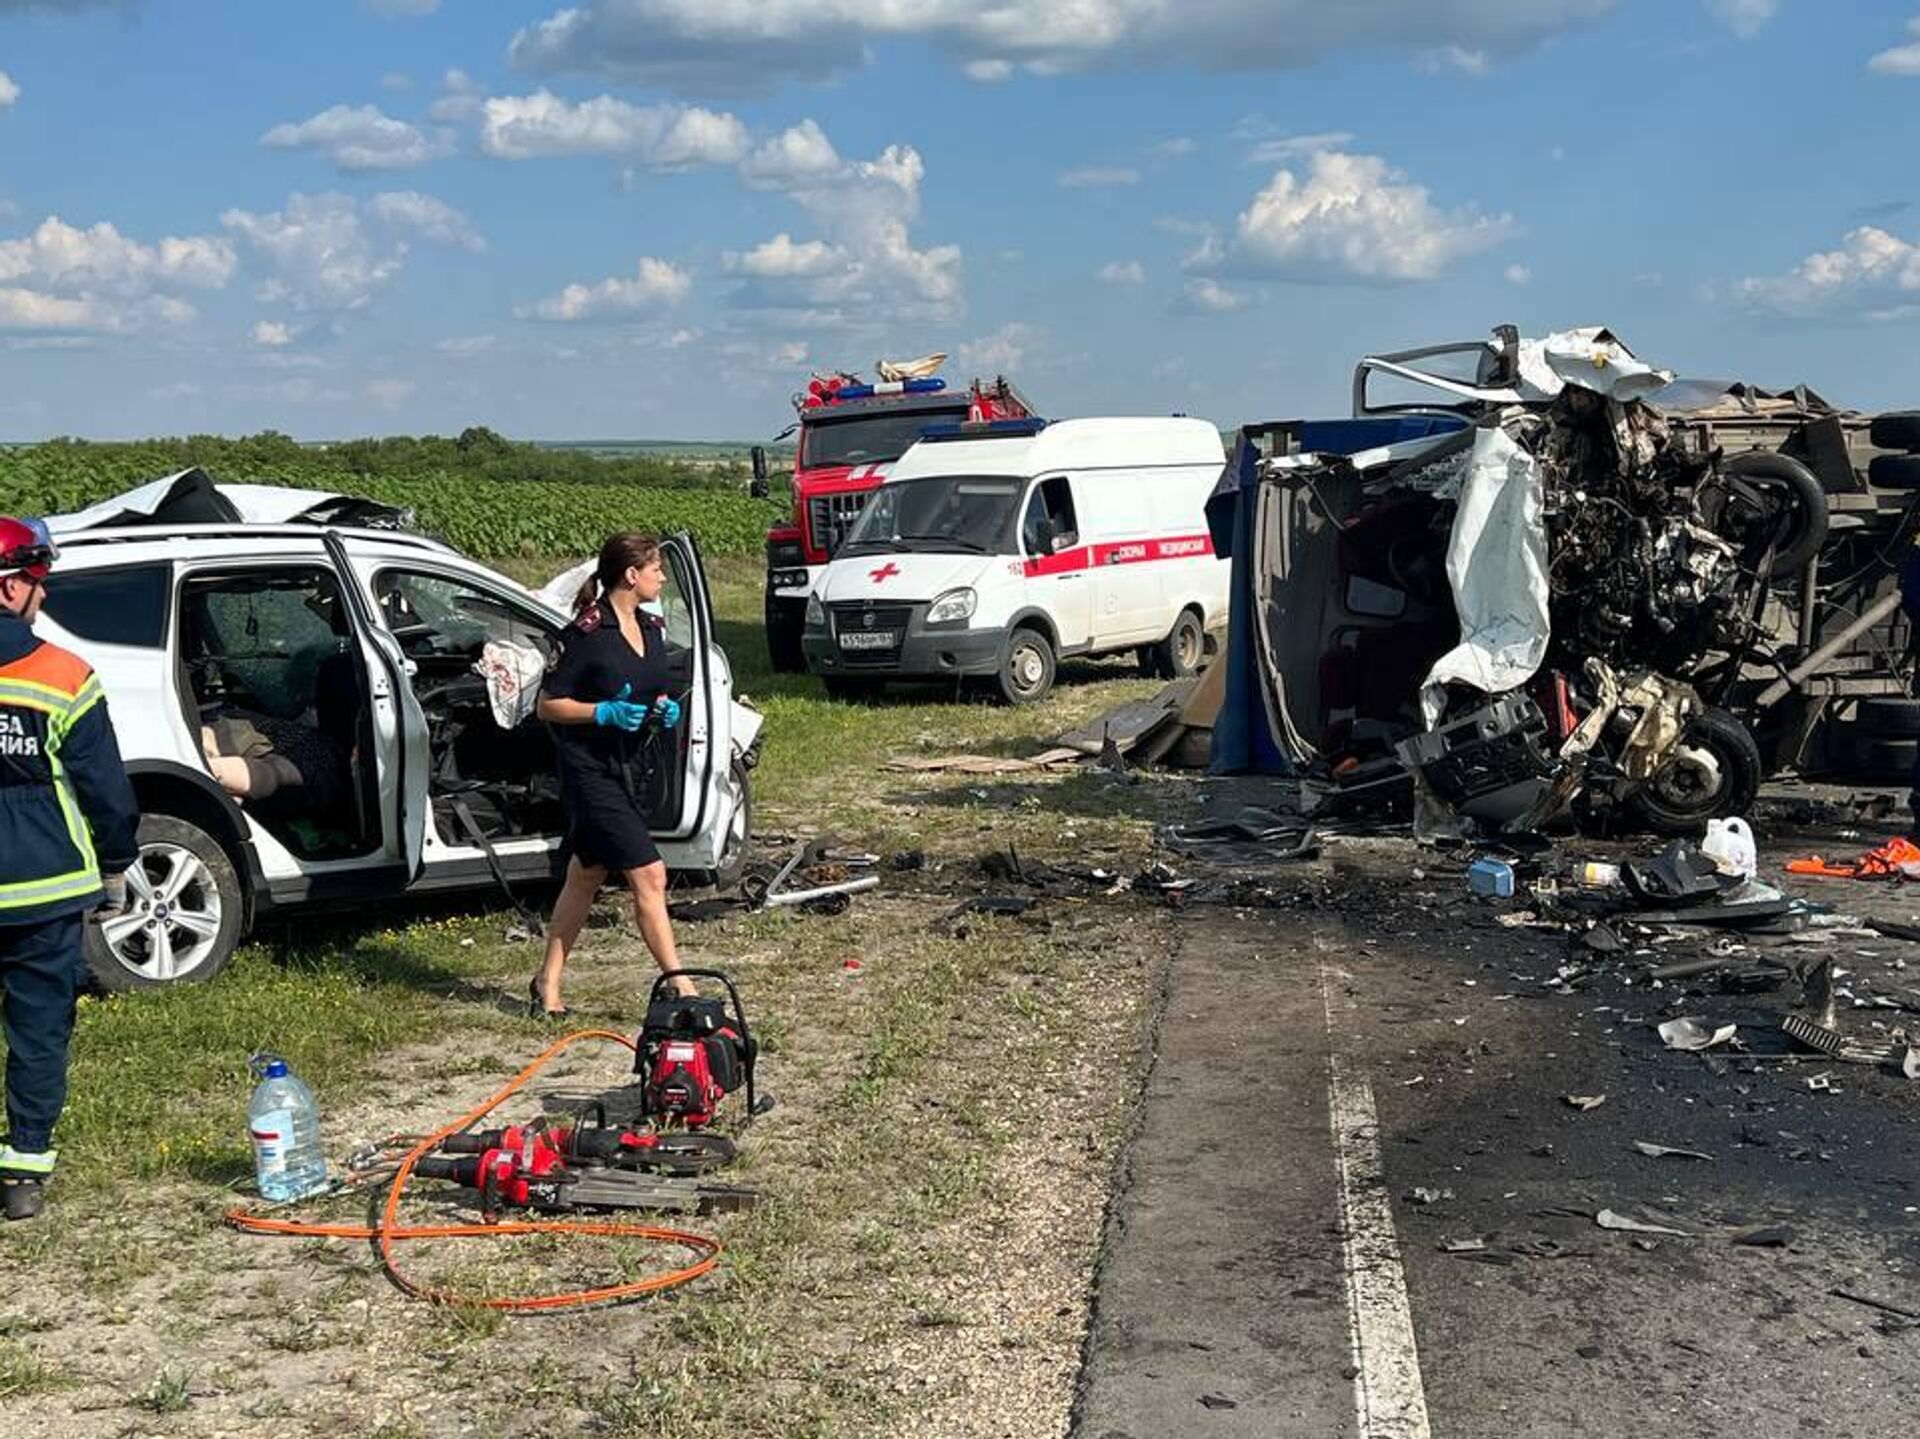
(982, 429)
(890, 387)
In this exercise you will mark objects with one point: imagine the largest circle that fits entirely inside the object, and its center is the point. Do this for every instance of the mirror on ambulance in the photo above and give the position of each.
(758, 489)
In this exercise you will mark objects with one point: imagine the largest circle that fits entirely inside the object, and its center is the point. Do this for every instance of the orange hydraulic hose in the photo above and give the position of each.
(391, 1232)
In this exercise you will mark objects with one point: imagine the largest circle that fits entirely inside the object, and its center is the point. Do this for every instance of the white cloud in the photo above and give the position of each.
(1456, 59)
(1901, 59)
(796, 155)
(100, 258)
(273, 334)
(359, 138)
(1212, 297)
(1352, 219)
(1001, 351)
(656, 284)
(667, 137)
(430, 219)
(389, 393)
(781, 259)
(397, 81)
(1518, 275)
(9, 91)
(1873, 275)
(865, 210)
(465, 347)
(1096, 176)
(1744, 17)
(1124, 272)
(328, 252)
(734, 46)
(459, 102)
(1176, 148)
(1278, 149)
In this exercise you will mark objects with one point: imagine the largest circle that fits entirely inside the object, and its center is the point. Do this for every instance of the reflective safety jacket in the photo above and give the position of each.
(67, 811)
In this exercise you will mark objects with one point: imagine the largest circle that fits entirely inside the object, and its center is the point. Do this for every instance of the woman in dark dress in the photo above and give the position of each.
(604, 696)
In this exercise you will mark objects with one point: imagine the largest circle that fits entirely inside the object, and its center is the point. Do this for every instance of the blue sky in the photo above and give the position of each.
(652, 218)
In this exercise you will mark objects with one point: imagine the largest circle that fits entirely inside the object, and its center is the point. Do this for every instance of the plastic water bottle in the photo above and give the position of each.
(284, 1121)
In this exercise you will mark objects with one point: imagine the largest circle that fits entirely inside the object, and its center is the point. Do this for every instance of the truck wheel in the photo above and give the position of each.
(1887, 717)
(1180, 653)
(1896, 430)
(1894, 472)
(184, 916)
(1027, 670)
(1714, 771)
(784, 628)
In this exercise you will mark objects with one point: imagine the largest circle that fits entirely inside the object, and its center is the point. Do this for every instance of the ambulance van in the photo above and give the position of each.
(996, 549)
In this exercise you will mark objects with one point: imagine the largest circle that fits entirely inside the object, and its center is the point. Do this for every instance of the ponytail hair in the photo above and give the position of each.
(621, 552)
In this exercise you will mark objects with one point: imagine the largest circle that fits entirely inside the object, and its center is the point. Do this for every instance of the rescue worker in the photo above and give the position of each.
(67, 823)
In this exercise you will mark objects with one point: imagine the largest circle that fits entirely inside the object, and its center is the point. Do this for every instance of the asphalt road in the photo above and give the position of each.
(1359, 1203)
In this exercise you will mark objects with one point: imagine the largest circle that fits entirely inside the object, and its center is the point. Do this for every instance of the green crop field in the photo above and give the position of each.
(484, 494)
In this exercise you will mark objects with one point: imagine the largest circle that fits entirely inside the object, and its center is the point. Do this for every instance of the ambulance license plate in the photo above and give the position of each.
(869, 640)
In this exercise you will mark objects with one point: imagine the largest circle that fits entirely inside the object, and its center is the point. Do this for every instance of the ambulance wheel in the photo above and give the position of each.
(1180, 653)
(1026, 672)
(184, 915)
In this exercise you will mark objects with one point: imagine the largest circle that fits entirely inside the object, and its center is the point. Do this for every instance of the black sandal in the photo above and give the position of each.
(25, 1194)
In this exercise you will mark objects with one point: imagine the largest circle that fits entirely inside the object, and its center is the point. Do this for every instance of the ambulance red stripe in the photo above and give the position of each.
(1124, 552)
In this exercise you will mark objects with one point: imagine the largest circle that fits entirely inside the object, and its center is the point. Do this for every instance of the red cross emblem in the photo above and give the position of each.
(885, 572)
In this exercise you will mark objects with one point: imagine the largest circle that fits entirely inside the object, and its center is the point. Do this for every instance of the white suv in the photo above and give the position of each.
(363, 646)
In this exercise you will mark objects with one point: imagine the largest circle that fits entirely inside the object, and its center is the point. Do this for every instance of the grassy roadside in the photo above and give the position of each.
(950, 1102)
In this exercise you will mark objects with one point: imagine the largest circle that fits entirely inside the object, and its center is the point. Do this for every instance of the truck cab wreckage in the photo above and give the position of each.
(1543, 577)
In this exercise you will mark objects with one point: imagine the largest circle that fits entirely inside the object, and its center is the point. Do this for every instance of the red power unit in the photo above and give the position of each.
(693, 1052)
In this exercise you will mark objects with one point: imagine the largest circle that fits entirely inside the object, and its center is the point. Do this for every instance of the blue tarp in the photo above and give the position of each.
(1243, 739)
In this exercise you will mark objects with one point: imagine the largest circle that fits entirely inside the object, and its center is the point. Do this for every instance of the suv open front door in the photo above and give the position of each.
(401, 759)
(685, 764)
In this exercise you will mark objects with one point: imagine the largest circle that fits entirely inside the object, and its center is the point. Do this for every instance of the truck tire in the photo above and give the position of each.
(186, 911)
(1894, 472)
(1887, 718)
(1715, 771)
(1797, 492)
(1027, 668)
(785, 622)
(1896, 430)
(1883, 761)
(1181, 652)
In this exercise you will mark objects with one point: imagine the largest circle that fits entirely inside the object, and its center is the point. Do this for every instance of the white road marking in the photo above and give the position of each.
(1389, 1399)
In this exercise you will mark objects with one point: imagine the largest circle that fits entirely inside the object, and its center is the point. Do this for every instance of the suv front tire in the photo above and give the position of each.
(185, 913)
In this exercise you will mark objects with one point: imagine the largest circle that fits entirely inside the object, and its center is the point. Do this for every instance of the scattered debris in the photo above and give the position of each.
(1218, 1401)
(1463, 1246)
(1252, 836)
(1667, 1151)
(1584, 1102)
(1694, 1034)
(1776, 1236)
(1610, 1219)
(1422, 1195)
(985, 764)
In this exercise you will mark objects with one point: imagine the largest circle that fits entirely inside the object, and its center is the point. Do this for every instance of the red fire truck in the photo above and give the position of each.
(850, 432)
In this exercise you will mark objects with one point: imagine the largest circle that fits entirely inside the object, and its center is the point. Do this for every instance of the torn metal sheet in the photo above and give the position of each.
(1694, 1034)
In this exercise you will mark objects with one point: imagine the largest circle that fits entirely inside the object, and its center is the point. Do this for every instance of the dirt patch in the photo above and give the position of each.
(934, 1174)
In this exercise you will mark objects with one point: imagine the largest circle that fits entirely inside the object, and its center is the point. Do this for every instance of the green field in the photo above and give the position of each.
(479, 492)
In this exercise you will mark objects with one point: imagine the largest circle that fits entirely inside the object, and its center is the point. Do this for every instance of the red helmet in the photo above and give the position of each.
(26, 548)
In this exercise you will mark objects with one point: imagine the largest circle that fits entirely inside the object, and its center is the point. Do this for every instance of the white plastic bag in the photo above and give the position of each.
(1729, 844)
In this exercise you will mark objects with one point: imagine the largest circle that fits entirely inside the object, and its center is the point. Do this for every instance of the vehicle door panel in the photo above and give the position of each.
(684, 762)
(1056, 563)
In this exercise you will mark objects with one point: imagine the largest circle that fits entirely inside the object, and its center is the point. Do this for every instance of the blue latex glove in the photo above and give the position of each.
(620, 712)
(667, 711)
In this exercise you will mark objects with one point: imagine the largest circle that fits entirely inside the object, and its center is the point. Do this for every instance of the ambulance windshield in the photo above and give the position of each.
(966, 513)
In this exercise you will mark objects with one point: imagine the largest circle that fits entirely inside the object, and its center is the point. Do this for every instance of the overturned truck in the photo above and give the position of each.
(1540, 576)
